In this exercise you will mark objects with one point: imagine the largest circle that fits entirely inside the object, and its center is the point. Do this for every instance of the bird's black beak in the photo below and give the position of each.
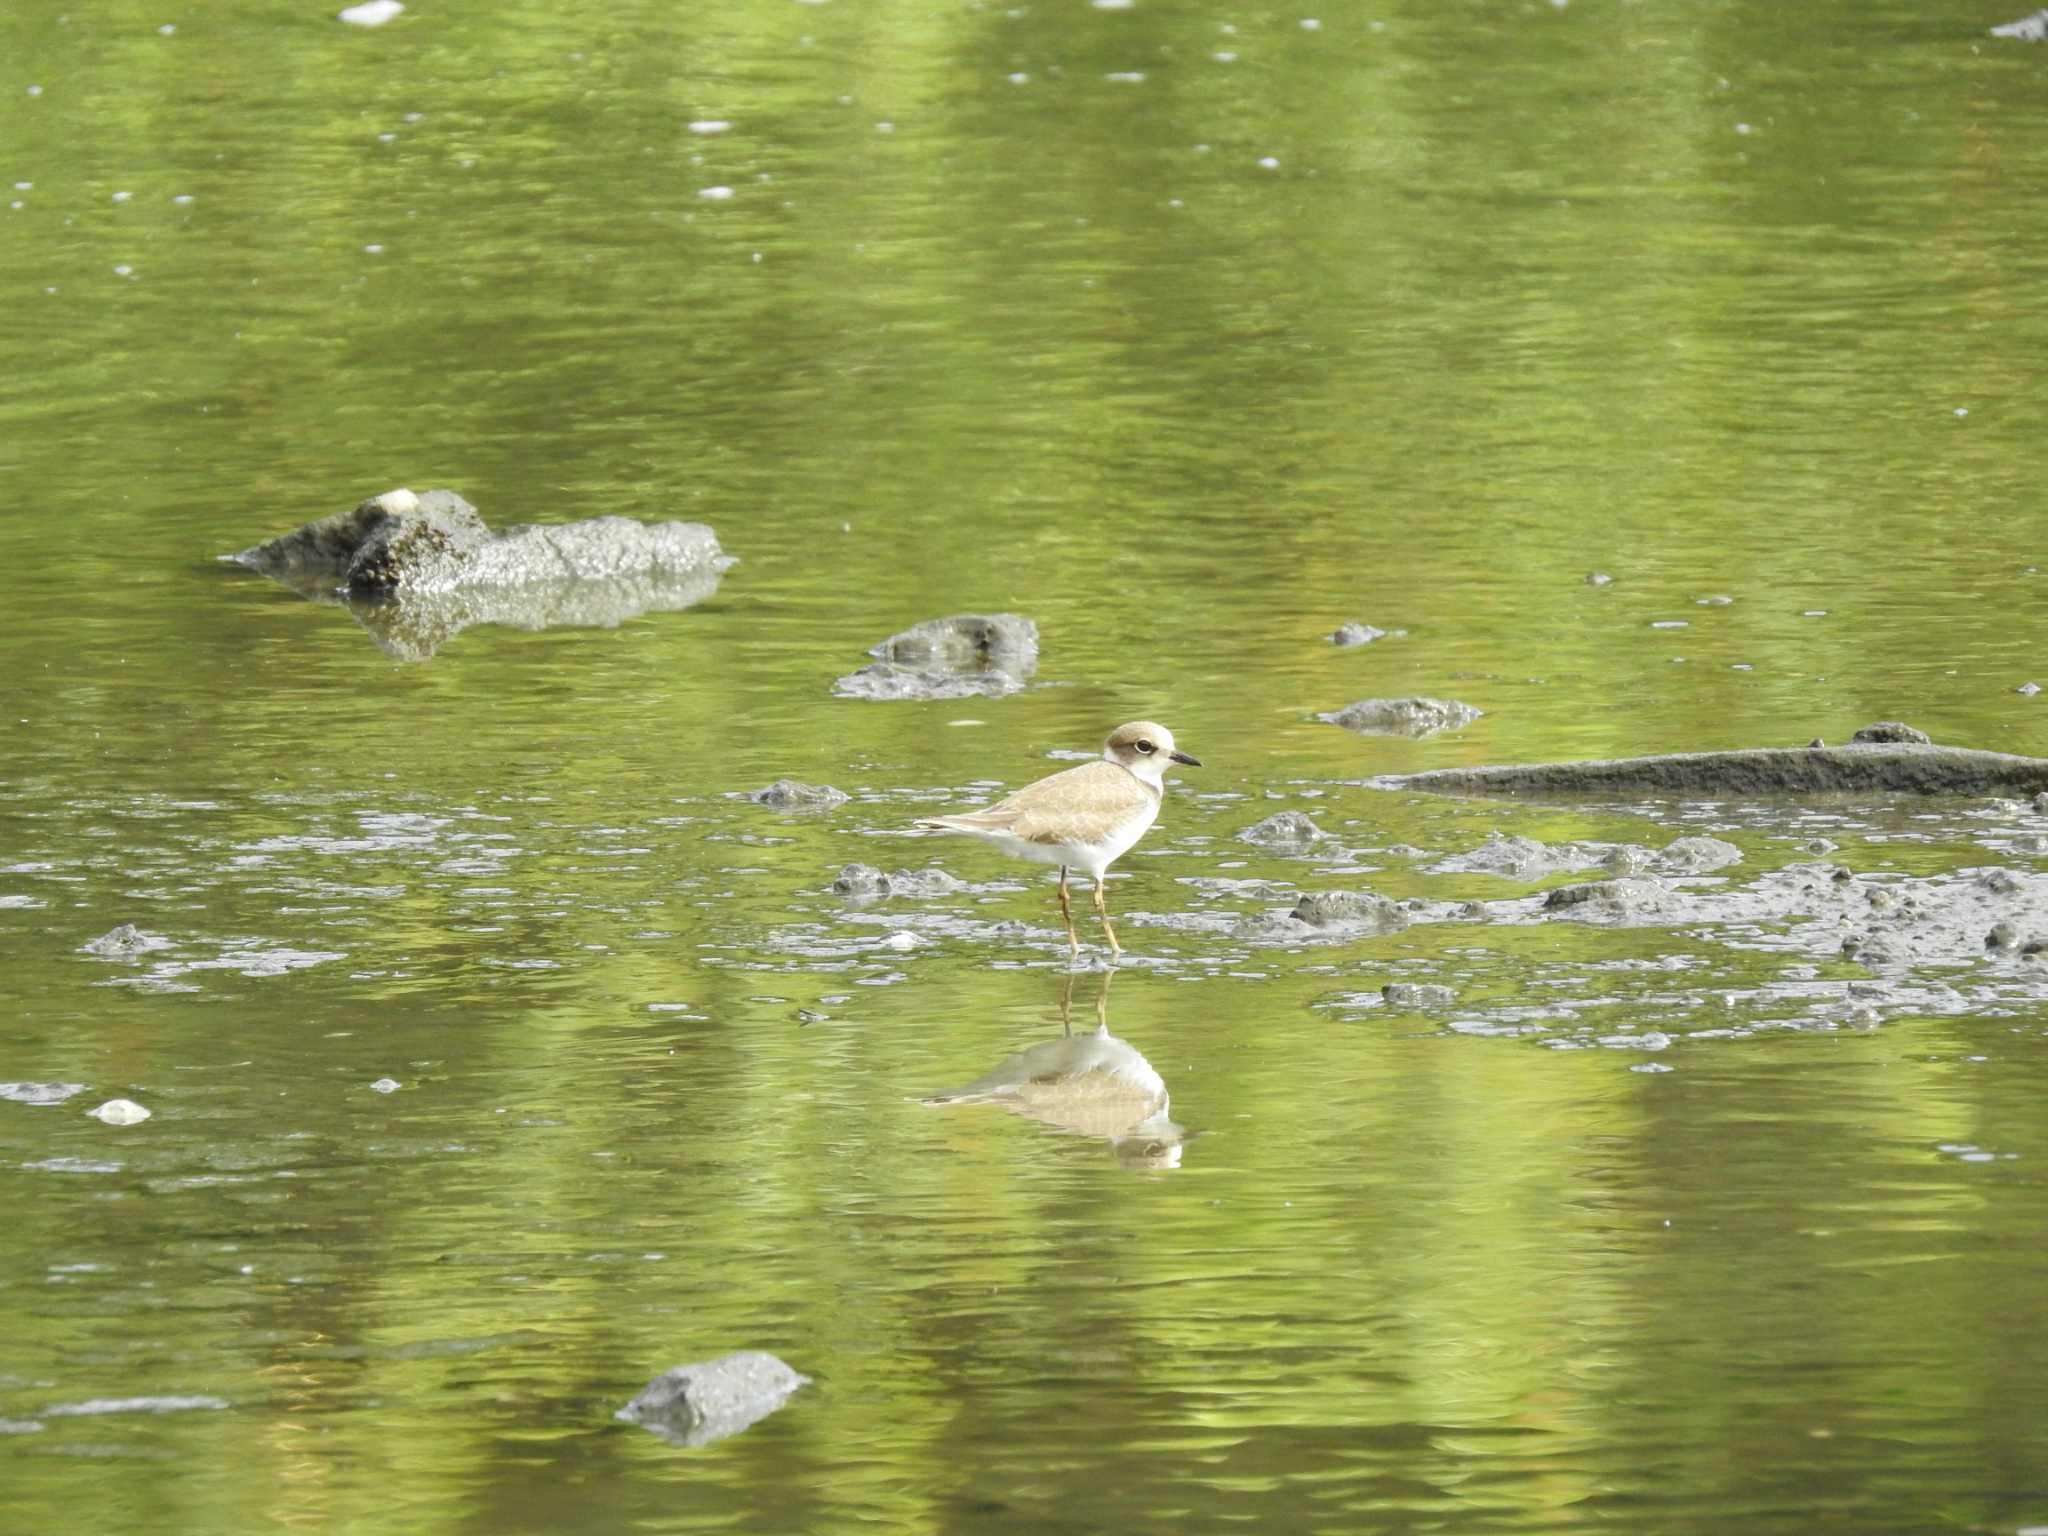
(1182, 757)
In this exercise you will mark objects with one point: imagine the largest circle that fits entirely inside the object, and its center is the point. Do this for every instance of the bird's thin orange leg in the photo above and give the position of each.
(1067, 911)
(1102, 912)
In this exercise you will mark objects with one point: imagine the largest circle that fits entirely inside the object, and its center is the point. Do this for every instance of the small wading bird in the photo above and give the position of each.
(1085, 818)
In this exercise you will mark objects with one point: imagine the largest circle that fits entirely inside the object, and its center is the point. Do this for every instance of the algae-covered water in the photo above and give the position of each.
(500, 1053)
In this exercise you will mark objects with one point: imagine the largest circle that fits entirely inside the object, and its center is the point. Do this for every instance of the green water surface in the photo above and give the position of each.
(1190, 331)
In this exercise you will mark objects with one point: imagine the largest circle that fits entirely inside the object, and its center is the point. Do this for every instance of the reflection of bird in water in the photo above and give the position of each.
(1084, 818)
(1092, 1084)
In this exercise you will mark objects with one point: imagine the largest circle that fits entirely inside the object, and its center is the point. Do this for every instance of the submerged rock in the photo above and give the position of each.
(865, 880)
(39, 1093)
(969, 655)
(1417, 996)
(1323, 916)
(121, 942)
(1402, 717)
(788, 794)
(1357, 634)
(1284, 829)
(417, 569)
(1525, 858)
(696, 1404)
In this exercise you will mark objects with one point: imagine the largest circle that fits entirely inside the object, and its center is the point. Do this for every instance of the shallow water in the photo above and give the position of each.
(500, 1054)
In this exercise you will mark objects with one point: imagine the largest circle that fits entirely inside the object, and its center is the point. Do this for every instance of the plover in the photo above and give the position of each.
(1085, 818)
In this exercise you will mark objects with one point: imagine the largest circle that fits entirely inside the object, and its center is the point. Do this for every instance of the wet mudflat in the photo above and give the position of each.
(424, 1028)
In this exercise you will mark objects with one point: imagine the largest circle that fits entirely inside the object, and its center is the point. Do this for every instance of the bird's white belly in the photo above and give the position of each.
(1092, 857)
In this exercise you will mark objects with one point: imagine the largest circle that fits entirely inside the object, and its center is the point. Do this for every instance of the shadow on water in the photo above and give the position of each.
(1090, 1084)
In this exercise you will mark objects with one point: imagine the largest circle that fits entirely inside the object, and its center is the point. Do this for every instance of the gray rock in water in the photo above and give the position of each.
(696, 1404)
(417, 569)
(1417, 996)
(1865, 768)
(1626, 859)
(436, 543)
(2029, 29)
(970, 655)
(886, 680)
(1402, 717)
(39, 1093)
(1352, 910)
(965, 642)
(1890, 731)
(1696, 856)
(788, 794)
(1326, 916)
(865, 880)
(1357, 634)
(1524, 858)
(1607, 899)
(122, 942)
(1284, 829)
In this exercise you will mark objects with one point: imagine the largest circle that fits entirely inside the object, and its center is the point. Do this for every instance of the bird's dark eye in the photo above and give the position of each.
(1146, 746)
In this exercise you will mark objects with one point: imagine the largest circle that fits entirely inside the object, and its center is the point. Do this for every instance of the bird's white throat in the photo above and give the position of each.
(1148, 769)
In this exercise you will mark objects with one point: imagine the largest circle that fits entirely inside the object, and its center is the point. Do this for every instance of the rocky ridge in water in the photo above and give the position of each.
(415, 570)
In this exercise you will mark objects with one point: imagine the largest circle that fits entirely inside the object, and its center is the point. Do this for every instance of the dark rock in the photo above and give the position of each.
(436, 543)
(1417, 996)
(416, 570)
(788, 794)
(1356, 634)
(970, 655)
(696, 1404)
(2001, 936)
(1892, 731)
(122, 942)
(2029, 29)
(1402, 717)
(2000, 882)
(865, 880)
(1759, 772)
(1283, 829)
(1629, 897)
